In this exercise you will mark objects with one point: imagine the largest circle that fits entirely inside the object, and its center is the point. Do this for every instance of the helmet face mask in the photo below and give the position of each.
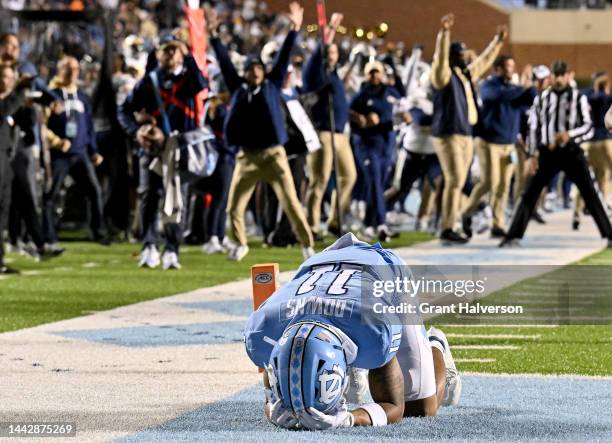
(308, 366)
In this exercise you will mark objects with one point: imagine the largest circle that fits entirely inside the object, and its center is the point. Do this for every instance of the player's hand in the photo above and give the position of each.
(561, 138)
(361, 120)
(372, 119)
(502, 32)
(278, 414)
(318, 421)
(97, 159)
(66, 145)
(150, 137)
(296, 15)
(212, 22)
(315, 420)
(282, 417)
(532, 165)
(447, 21)
(336, 20)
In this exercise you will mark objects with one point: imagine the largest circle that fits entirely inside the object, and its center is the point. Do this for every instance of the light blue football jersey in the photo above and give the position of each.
(328, 289)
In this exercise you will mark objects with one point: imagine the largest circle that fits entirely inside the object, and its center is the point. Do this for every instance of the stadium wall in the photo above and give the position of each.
(582, 38)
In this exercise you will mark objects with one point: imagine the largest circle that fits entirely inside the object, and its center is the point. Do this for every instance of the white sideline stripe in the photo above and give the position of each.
(517, 336)
(552, 302)
(475, 360)
(549, 318)
(32, 272)
(537, 375)
(91, 264)
(485, 347)
(501, 326)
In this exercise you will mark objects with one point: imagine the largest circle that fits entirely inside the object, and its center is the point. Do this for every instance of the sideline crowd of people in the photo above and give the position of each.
(303, 136)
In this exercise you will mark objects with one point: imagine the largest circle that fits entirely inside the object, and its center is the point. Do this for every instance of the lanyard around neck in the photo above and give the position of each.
(67, 103)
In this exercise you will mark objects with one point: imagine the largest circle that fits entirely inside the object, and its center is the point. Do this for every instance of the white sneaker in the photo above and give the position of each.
(361, 210)
(453, 380)
(30, 250)
(213, 246)
(149, 257)
(358, 386)
(170, 260)
(483, 221)
(227, 244)
(549, 201)
(144, 257)
(238, 253)
(308, 252)
(369, 233)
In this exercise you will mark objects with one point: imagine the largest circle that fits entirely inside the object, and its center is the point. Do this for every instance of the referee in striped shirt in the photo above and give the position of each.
(559, 121)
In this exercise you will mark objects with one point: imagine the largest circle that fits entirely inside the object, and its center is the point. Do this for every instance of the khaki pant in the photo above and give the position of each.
(496, 169)
(600, 159)
(271, 166)
(320, 165)
(455, 154)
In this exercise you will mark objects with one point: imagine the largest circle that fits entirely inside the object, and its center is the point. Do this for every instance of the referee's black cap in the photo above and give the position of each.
(559, 68)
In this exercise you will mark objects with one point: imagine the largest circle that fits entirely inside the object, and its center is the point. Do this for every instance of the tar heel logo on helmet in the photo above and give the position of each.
(331, 385)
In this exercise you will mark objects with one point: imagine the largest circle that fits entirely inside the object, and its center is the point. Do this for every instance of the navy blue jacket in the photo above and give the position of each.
(315, 78)
(502, 106)
(255, 119)
(84, 142)
(600, 103)
(450, 109)
(379, 100)
(178, 93)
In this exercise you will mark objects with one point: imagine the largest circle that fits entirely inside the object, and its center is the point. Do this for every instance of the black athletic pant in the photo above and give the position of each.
(24, 204)
(417, 166)
(6, 176)
(150, 194)
(82, 170)
(571, 160)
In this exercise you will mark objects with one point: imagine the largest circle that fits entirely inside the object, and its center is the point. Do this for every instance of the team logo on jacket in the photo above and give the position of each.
(330, 385)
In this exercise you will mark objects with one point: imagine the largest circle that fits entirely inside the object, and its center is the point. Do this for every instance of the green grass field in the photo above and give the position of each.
(90, 277)
(548, 349)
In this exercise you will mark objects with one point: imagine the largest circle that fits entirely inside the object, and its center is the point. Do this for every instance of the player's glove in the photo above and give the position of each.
(278, 414)
(315, 420)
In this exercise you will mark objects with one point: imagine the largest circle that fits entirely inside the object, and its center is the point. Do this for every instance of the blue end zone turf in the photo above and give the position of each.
(242, 308)
(491, 409)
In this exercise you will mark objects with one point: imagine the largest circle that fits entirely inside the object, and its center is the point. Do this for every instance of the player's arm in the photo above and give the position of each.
(387, 389)
(274, 410)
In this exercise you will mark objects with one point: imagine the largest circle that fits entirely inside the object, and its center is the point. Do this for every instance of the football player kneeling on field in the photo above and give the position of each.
(319, 352)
